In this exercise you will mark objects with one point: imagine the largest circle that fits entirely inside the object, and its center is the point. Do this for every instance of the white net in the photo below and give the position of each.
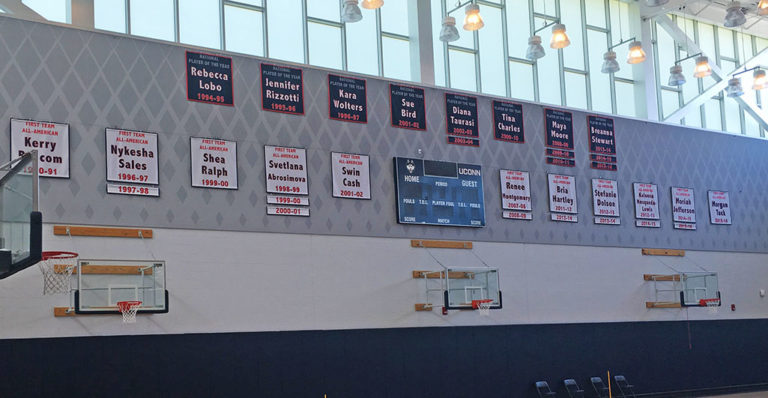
(57, 267)
(129, 310)
(713, 305)
(484, 307)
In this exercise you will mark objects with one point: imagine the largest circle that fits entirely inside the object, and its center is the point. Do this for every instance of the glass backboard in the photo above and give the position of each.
(20, 220)
(101, 284)
(463, 285)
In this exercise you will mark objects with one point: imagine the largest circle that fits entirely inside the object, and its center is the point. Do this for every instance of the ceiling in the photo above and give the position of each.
(712, 11)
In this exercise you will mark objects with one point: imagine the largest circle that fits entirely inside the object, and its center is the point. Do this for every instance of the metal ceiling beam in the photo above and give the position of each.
(20, 10)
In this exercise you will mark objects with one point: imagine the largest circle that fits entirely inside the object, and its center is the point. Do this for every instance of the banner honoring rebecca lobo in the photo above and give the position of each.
(602, 143)
(515, 195)
(562, 198)
(209, 78)
(286, 172)
(605, 201)
(214, 163)
(407, 107)
(346, 99)
(719, 207)
(461, 120)
(558, 125)
(351, 175)
(51, 140)
(683, 208)
(508, 122)
(282, 89)
(646, 205)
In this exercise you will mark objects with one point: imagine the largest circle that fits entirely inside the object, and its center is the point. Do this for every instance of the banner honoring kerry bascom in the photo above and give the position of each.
(351, 175)
(214, 163)
(51, 140)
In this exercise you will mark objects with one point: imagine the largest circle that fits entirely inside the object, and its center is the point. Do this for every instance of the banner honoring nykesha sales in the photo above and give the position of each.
(209, 78)
(282, 89)
(602, 143)
(719, 207)
(515, 195)
(346, 99)
(461, 119)
(646, 205)
(214, 163)
(51, 140)
(558, 126)
(351, 175)
(562, 197)
(132, 156)
(407, 107)
(508, 122)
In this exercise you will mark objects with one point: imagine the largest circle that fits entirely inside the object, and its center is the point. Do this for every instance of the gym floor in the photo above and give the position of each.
(760, 394)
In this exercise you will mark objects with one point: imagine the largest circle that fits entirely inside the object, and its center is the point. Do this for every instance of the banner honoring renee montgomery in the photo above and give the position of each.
(51, 140)
(209, 78)
(214, 163)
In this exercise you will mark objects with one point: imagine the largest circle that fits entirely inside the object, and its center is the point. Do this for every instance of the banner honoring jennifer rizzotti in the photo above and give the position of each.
(282, 89)
(51, 140)
(286, 172)
(209, 78)
(351, 175)
(132, 159)
(214, 163)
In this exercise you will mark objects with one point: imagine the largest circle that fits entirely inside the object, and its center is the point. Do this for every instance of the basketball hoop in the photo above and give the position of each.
(57, 267)
(129, 309)
(712, 304)
(482, 306)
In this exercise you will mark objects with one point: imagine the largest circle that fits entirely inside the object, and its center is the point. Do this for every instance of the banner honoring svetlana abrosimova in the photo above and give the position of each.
(51, 140)
(605, 201)
(646, 205)
(214, 163)
(508, 122)
(558, 126)
(515, 195)
(461, 120)
(287, 182)
(602, 143)
(282, 89)
(562, 198)
(347, 99)
(407, 108)
(719, 207)
(132, 159)
(683, 208)
(209, 78)
(351, 175)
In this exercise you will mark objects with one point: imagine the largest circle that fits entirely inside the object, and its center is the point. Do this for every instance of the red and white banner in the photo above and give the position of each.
(286, 170)
(51, 140)
(646, 201)
(214, 163)
(132, 156)
(683, 208)
(515, 190)
(351, 175)
(719, 207)
(562, 195)
(605, 198)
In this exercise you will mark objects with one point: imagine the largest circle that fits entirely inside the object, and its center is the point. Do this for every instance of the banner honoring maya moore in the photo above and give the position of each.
(132, 156)
(214, 163)
(51, 140)
(351, 175)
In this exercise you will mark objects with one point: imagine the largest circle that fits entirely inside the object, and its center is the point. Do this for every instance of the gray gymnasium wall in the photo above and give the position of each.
(94, 80)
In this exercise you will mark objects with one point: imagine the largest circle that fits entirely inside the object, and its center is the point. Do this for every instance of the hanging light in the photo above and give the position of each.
(762, 7)
(734, 15)
(535, 50)
(559, 38)
(472, 19)
(449, 32)
(609, 63)
(636, 53)
(734, 88)
(656, 3)
(351, 12)
(676, 77)
(372, 4)
(702, 69)
(758, 80)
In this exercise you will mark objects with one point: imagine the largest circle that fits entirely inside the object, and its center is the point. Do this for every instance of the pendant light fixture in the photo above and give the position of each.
(609, 63)
(372, 4)
(559, 37)
(758, 80)
(636, 53)
(702, 69)
(472, 18)
(351, 12)
(449, 32)
(762, 7)
(676, 77)
(472, 21)
(734, 88)
(535, 50)
(734, 15)
(656, 3)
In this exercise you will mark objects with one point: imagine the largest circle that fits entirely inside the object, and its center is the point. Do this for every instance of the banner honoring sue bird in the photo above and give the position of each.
(51, 140)
(287, 182)
(132, 166)
(209, 78)
(351, 175)
(214, 163)
(282, 89)
(407, 108)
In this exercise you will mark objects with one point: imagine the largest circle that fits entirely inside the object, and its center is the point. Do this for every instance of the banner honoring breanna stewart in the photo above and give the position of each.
(602, 143)
(214, 163)
(282, 89)
(351, 175)
(646, 205)
(515, 195)
(719, 207)
(558, 126)
(461, 120)
(209, 78)
(508, 122)
(605, 201)
(51, 140)
(407, 107)
(132, 156)
(562, 197)
(346, 99)
(683, 208)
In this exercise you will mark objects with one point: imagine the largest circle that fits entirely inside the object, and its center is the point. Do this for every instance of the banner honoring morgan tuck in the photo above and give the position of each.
(351, 175)
(51, 140)
(282, 89)
(209, 78)
(286, 170)
(719, 207)
(132, 156)
(562, 197)
(214, 163)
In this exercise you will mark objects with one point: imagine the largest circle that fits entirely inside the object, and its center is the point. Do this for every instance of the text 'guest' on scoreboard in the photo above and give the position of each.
(439, 193)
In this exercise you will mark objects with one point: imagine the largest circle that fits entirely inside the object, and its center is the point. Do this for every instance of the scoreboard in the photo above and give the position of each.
(439, 193)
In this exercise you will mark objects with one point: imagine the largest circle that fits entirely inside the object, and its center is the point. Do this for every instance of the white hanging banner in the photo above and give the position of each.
(719, 207)
(51, 140)
(515, 190)
(605, 198)
(214, 163)
(683, 208)
(286, 170)
(132, 156)
(646, 201)
(562, 195)
(351, 175)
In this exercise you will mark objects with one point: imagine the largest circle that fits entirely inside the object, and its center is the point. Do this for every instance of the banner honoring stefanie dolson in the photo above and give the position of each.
(605, 197)
(515, 194)
(209, 78)
(346, 99)
(351, 175)
(602, 143)
(282, 89)
(214, 163)
(286, 170)
(683, 207)
(51, 140)
(562, 194)
(719, 207)
(132, 156)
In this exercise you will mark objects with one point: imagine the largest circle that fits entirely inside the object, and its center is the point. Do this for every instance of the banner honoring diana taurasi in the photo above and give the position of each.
(351, 175)
(719, 207)
(282, 89)
(209, 78)
(605, 201)
(562, 197)
(51, 140)
(508, 122)
(407, 108)
(683, 208)
(558, 126)
(214, 163)
(646, 205)
(602, 143)
(515, 195)
(286, 173)
(347, 99)
(461, 120)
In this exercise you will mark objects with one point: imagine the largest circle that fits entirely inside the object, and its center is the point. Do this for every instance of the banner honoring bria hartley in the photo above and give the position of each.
(51, 140)
(605, 201)
(131, 159)
(683, 208)
(214, 163)
(209, 78)
(646, 205)
(719, 207)
(351, 175)
(515, 195)
(562, 198)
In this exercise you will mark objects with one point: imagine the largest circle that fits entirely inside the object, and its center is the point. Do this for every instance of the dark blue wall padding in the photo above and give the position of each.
(481, 361)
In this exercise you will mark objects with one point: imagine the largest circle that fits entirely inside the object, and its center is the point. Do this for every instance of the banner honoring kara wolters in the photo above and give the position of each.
(605, 201)
(719, 207)
(683, 208)
(214, 163)
(282, 89)
(51, 140)
(461, 119)
(351, 175)
(346, 99)
(508, 122)
(132, 156)
(515, 194)
(602, 143)
(209, 78)
(558, 126)
(562, 197)
(646, 205)
(407, 107)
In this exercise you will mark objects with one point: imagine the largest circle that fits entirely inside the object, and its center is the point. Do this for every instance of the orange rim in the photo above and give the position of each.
(58, 255)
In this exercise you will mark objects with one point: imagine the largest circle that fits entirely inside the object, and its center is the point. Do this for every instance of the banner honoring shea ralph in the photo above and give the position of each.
(214, 163)
(51, 140)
